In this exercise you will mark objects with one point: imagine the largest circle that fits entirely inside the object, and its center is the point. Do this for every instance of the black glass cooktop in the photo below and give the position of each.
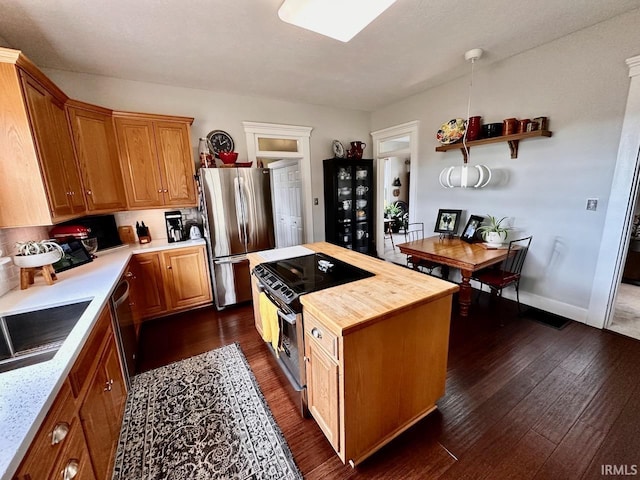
(317, 271)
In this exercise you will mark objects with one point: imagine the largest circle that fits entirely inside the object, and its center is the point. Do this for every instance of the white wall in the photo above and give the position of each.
(218, 110)
(580, 82)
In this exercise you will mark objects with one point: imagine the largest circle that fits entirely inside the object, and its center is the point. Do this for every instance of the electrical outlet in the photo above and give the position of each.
(592, 204)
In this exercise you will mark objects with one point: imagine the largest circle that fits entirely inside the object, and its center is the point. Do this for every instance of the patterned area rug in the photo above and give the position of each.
(201, 418)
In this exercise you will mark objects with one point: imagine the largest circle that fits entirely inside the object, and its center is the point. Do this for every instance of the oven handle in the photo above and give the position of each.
(288, 317)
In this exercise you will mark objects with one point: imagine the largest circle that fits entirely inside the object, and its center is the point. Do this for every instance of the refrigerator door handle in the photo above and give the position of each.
(226, 261)
(240, 219)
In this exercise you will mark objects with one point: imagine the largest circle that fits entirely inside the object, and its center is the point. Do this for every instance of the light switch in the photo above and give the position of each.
(592, 204)
(315, 201)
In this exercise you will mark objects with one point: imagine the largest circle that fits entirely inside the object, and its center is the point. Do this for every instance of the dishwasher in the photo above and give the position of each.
(124, 327)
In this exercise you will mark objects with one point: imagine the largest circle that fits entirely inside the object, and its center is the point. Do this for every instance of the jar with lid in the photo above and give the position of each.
(206, 158)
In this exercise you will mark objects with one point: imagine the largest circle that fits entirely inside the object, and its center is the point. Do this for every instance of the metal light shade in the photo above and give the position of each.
(339, 19)
(465, 176)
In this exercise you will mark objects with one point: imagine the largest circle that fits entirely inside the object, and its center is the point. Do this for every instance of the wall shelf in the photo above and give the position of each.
(512, 140)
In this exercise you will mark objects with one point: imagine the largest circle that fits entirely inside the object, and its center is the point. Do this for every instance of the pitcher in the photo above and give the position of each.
(356, 150)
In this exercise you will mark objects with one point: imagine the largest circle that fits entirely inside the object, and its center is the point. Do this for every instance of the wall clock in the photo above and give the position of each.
(219, 141)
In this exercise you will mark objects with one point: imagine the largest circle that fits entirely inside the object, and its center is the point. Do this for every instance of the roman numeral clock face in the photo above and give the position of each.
(219, 141)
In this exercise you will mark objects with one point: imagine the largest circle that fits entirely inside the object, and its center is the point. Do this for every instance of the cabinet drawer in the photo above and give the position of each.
(321, 334)
(74, 462)
(84, 367)
(44, 449)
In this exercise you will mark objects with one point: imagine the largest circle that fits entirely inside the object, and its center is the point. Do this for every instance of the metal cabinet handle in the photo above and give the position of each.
(59, 432)
(166, 191)
(306, 359)
(71, 469)
(316, 333)
(169, 267)
(160, 190)
(108, 385)
(89, 192)
(128, 274)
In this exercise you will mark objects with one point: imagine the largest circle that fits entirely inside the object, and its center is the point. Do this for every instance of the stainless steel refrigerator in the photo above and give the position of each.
(237, 216)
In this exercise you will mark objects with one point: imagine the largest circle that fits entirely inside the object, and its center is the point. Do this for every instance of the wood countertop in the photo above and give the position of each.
(354, 305)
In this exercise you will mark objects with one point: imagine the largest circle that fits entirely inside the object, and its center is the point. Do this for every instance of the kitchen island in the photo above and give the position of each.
(375, 351)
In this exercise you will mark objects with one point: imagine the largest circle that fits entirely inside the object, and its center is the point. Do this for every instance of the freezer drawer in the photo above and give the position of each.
(232, 280)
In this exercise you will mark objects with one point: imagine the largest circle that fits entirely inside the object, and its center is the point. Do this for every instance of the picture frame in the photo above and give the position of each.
(448, 221)
(469, 234)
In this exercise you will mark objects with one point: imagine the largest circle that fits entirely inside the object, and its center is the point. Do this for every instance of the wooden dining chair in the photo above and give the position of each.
(508, 272)
(415, 231)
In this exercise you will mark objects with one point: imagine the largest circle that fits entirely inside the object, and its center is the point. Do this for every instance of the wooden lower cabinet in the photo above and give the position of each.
(322, 384)
(371, 384)
(102, 409)
(148, 289)
(80, 433)
(171, 281)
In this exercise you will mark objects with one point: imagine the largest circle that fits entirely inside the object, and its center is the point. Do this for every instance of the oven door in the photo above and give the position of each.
(291, 358)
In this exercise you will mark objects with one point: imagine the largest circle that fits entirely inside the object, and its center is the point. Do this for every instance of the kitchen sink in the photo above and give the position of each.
(33, 337)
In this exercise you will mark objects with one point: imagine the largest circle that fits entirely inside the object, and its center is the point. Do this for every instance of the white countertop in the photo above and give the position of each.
(27, 393)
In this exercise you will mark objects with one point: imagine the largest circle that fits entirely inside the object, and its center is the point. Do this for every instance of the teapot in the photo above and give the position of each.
(356, 150)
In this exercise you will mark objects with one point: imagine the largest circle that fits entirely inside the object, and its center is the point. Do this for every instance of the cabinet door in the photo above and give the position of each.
(176, 163)
(186, 277)
(322, 390)
(149, 297)
(68, 159)
(39, 104)
(102, 409)
(95, 143)
(139, 162)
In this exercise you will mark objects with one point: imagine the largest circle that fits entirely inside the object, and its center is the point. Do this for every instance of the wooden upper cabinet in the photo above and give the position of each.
(55, 150)
(176, 163)
(156, 160)
(94, 139)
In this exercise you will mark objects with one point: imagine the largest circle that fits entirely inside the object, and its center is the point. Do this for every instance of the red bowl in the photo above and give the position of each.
(228, 157)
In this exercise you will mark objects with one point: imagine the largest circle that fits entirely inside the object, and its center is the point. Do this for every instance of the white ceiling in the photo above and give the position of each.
(241, 46)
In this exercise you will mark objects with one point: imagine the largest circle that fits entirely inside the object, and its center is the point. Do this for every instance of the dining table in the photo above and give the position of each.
(456, 253)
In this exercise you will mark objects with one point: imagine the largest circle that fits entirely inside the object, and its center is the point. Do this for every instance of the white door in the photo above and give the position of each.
(287, 204)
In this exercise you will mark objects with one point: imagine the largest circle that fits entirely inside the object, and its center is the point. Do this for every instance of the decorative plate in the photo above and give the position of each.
(451, 131)
(338, 149)
(219, 141)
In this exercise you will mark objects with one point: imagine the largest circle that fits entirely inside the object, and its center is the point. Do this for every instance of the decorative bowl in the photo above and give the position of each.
(228, 157)
(38, 260)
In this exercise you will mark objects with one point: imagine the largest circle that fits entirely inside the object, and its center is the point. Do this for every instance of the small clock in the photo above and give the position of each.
(219, 141)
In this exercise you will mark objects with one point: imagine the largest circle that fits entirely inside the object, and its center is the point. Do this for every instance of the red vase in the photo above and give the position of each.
(356, 150)
(474, 128)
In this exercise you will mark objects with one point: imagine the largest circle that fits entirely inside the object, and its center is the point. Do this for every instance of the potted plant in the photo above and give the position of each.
(493, 232)
(32, 254)
(393, 212)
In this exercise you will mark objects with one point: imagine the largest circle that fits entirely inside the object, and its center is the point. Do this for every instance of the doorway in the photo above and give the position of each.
(269, 143)
(287, 202)
(394, 150)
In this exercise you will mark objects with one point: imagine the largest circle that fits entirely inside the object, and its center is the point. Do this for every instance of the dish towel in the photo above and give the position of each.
(270, 322)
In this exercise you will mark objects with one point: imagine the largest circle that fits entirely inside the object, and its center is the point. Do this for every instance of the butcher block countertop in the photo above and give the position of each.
(354, 305)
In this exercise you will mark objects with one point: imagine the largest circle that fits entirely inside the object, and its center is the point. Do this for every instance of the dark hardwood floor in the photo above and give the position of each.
(523, 400)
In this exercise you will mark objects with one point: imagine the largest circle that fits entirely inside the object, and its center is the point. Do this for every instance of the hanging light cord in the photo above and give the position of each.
(466, 127)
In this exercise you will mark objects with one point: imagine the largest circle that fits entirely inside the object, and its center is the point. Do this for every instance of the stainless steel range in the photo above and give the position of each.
(284, 282)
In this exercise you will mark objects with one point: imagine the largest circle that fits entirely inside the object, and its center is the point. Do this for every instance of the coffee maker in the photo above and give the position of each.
(173, 221)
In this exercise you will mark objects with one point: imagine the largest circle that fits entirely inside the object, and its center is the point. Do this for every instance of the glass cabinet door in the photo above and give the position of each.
(363, 208)
(345, 205)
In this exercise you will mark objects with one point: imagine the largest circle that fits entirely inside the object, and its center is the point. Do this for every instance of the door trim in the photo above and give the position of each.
(622, 199)
(409, 129)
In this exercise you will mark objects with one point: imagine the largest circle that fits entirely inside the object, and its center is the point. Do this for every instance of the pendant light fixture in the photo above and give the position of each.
(338, 19)
(467, 176)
